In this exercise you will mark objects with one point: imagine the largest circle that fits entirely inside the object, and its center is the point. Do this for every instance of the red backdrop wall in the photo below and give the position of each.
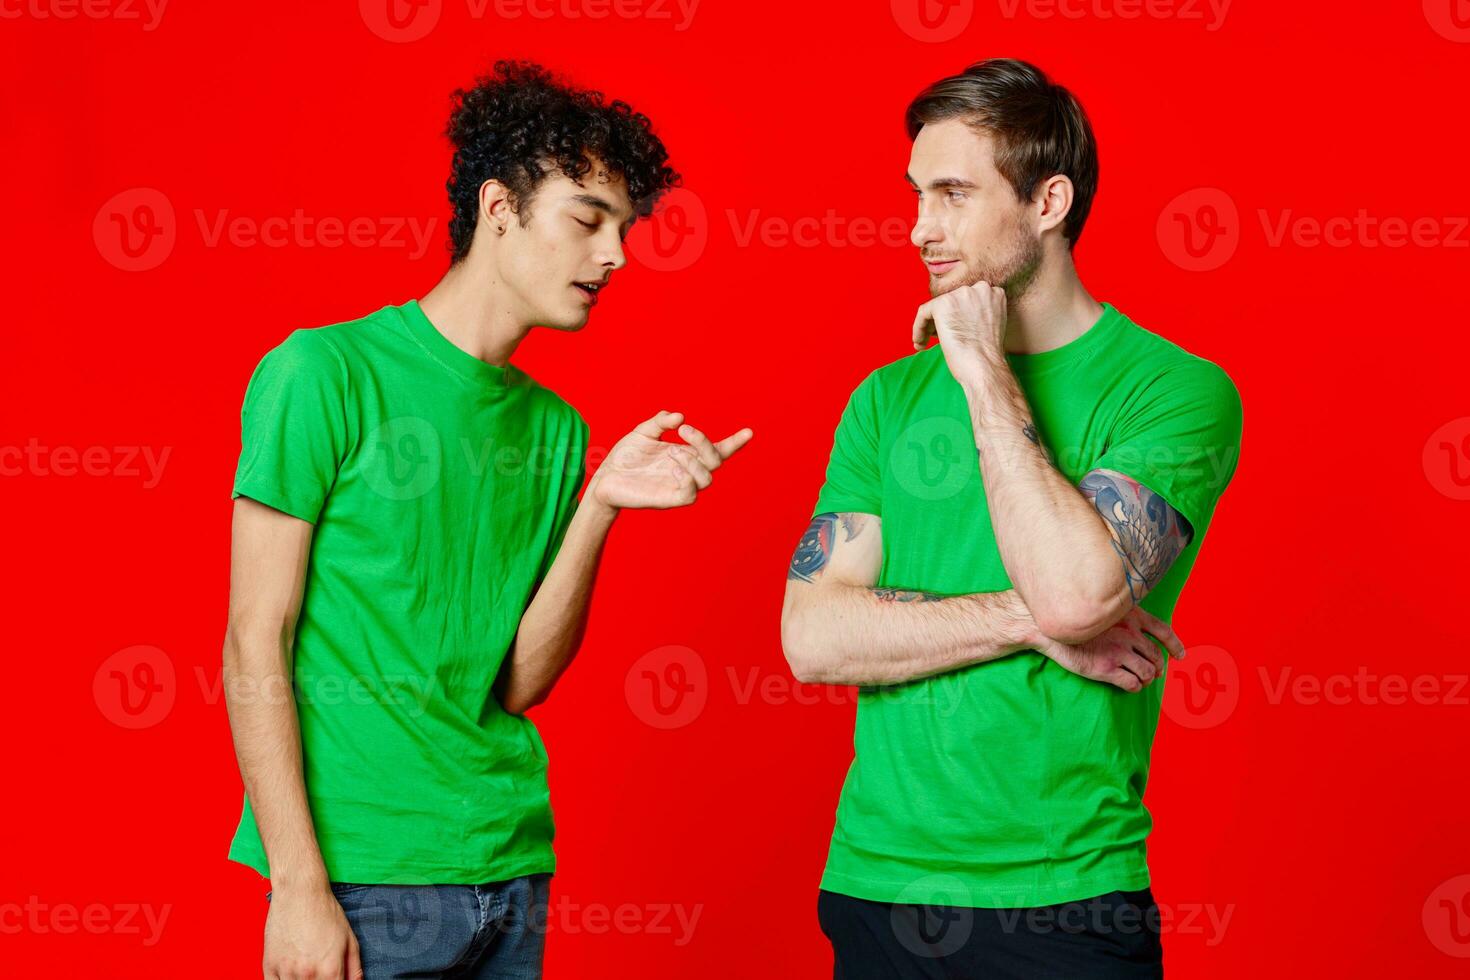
(1283, 192)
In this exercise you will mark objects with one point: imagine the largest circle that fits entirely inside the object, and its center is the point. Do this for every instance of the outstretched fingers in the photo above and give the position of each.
(731, 444)
(659, 424)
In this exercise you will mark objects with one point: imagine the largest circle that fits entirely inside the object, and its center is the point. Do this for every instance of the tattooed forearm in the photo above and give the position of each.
(816, 543)
(1147, 533)
(1029, 431)
(905, 595)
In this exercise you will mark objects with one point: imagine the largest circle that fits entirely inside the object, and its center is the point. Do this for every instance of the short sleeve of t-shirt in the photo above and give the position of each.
(567, 500)
(293, 426)
(854, 481)
(1181, 438)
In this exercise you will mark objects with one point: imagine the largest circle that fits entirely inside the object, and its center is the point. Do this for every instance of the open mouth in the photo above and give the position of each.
(590, 290)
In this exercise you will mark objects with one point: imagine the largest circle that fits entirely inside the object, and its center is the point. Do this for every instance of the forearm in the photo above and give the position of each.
(263, 720)
(846, 634)
(552, 626)
(1055, 547)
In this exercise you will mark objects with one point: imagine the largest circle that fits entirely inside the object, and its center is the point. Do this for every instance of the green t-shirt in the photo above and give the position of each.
(441, 488)
(1013, 782)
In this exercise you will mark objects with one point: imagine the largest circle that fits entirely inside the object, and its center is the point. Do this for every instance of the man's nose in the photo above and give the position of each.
(612, 257)
(926, 231)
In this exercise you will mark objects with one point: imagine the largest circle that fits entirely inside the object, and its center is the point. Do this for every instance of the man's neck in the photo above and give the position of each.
(469, 310)
(1055, 310)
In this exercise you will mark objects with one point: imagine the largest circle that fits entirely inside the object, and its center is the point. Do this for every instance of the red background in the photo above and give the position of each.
(1328, 829)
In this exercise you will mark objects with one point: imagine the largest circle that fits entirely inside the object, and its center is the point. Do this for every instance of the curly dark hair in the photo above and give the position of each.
(518, 125)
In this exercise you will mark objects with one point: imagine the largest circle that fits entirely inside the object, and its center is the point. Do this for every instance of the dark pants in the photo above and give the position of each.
(494, 931)
(1109, 937)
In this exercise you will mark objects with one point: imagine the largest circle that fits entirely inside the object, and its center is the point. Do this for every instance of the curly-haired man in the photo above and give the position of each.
(411, 564)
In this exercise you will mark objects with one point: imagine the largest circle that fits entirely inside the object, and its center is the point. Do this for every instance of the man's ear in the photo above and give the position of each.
(1053, 200)
(496, 210)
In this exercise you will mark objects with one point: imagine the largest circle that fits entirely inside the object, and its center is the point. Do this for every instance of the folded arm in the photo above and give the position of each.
(838, 628)
(1118, 536)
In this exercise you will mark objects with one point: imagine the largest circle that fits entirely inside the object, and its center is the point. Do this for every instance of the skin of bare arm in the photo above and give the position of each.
(1118, 535)
(838, 628)
(642, 471)
(306, 931)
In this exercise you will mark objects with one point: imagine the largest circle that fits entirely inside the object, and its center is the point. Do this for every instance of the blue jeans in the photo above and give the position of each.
(495, 931)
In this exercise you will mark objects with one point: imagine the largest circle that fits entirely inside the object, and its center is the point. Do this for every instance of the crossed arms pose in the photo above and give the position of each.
(1081, 557)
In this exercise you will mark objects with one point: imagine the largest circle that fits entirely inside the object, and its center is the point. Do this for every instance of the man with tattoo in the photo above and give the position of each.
(1007, 521)
(411, 563)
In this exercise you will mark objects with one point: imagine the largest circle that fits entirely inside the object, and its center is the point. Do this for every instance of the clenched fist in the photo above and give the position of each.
(970, 322)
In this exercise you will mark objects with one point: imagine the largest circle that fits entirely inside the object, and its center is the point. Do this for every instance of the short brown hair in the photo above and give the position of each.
(1039, 128)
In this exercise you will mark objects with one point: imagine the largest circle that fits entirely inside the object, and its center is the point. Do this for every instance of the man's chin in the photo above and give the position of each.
(939, 285)
(568, 324)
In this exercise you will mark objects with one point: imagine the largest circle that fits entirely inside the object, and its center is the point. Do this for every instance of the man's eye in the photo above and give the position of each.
(956, 196)
(585, 224)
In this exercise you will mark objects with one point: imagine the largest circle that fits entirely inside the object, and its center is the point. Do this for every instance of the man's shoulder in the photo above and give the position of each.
(333, 346)
(548, 402)
(1164, 353)
(918, 366)
(1170, 364)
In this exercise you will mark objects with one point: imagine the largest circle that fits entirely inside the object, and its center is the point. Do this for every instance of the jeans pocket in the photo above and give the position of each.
(346, 892)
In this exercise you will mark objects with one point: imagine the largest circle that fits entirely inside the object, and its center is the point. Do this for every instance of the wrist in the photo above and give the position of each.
(593, 502)
(979, 383)
(1024, 631)
(292, 882)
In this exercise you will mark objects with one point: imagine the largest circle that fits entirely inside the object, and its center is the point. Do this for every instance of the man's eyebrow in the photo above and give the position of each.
(945, 183)
(593, 201)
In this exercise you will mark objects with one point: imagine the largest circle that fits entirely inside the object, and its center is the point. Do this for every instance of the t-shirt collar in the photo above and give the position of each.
(443, 350)
(1073, 351)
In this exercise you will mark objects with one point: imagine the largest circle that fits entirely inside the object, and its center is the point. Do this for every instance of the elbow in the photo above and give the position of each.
(519, 704)
(518, 698)
(1073, 622)
(254, 639)
(805, 666)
